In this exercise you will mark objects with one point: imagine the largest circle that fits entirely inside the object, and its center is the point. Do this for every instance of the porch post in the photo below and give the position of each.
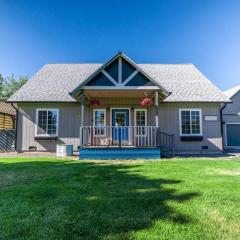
(81, 119)
(82, 112)
(82, 98)
(156, 110)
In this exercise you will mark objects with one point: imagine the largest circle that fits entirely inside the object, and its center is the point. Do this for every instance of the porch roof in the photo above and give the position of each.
(120, 93)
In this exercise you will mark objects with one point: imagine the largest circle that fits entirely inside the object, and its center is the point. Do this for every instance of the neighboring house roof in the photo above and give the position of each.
(232, 91)
(54, 82)
(6, 108)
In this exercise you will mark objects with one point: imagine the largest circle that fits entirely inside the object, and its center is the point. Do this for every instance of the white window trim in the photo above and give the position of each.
(57, 123)
(180, 121)
(135, 120)
(94, 118)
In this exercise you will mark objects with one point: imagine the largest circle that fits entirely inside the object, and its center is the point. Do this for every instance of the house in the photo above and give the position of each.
(7, 125)
(231, 119)
(120, 105)
(7, 115)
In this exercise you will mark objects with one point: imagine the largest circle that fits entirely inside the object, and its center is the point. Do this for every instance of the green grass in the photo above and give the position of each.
(168, 199)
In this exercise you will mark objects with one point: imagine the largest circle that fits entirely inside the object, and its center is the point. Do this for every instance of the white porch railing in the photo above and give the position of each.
(110, 136)
(118, 136)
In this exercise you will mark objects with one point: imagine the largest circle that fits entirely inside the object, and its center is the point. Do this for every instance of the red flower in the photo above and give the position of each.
(94, 102)
(146, 102)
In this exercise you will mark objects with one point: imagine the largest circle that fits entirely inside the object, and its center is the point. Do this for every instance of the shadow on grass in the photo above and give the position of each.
(84, 200)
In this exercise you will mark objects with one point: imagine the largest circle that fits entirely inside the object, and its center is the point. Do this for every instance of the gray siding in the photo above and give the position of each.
(69, 123)
(233, 108)
(230, 113)
(68, 131)
(169, 122)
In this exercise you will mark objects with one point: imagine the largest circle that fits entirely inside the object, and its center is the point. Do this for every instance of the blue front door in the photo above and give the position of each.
(120, 120)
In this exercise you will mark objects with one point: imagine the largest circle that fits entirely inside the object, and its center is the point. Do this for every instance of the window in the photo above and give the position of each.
(140, 121)
(190, 122)
(99, 121)
(47, 122)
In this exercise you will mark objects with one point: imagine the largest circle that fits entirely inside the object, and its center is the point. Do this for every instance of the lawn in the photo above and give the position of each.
(167, 199)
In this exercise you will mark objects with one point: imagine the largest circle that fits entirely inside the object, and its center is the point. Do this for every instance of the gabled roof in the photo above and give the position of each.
(103, 66)
(232, 91)
(55, 82)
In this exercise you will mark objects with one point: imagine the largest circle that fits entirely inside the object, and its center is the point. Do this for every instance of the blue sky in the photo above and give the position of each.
(206, 33)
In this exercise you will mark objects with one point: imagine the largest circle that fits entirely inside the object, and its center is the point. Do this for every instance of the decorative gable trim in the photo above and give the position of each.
(109, 77)
(130, 77)
(119, 83)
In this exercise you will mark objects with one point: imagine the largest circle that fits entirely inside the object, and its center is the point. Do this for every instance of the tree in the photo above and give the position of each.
(1, 84)
(10, 85)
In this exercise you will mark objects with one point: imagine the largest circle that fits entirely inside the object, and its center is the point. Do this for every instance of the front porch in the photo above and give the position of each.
(118, 126)
(114, 116)
(109, 142)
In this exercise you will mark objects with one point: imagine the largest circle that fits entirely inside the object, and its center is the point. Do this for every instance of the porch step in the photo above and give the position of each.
(119, 153)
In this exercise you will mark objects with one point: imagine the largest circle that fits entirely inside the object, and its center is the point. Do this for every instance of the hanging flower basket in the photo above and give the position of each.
(94, 102)
(146, 102)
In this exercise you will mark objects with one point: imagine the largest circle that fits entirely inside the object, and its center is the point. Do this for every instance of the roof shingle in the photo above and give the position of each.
(54, 82)
(232, 91)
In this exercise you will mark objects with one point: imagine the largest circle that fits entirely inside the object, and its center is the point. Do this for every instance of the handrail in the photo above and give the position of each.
(121, 136)
(168, 134)
(166, 141)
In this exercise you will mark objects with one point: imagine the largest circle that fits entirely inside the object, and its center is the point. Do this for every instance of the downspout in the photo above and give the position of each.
(156, 110)
(221, 123)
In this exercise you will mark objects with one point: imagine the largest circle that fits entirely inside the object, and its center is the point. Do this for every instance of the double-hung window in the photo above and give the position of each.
(190, 122)
(99, 121)
(141, 121)
(47, 122)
